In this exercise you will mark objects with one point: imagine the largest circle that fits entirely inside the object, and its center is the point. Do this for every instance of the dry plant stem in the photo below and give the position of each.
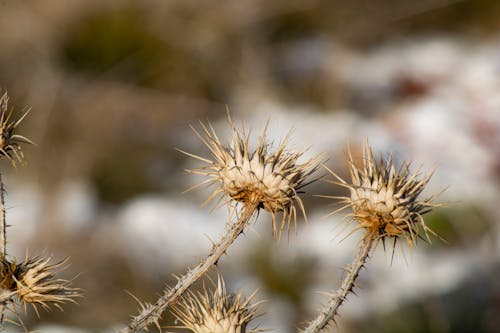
(331, 309)
(3, 224)
(3, 248)
(151, 314)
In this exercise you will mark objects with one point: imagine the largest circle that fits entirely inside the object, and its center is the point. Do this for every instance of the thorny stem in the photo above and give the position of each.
(329, 312)
(3, 224)
(151, 314)
(3, 240)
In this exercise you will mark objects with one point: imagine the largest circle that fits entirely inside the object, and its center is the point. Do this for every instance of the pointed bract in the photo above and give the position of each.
(385, 199)
(270, 179)
(220, 312)
(33, 282)
(10, 143)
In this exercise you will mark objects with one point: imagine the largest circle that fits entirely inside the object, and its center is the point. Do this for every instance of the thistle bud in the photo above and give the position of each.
(220, 312)
(9, 141)
(385, 199)
(269, 179)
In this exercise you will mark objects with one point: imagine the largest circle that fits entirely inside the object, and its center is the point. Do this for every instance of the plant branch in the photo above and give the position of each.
(3, 244)
(3, 223)
(328, 313)
(152, 313)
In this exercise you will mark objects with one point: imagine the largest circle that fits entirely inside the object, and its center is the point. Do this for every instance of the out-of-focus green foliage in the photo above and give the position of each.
(115, 44)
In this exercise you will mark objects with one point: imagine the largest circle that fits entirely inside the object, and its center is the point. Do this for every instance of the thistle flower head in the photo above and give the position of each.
(33, 282)
(385, 200)
(271, 180)
(9, 141)
(220, 312)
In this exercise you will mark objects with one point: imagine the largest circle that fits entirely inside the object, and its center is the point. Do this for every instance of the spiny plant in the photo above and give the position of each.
(32, 281)
(248, 180)
(385, 203)
(217, 311)
(10, 147)
(269, 180)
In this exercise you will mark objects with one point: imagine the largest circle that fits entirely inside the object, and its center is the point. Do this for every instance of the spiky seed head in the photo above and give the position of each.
(385, 199)
(217, 312)
(34, 283)
(269, 179)
(10, 147)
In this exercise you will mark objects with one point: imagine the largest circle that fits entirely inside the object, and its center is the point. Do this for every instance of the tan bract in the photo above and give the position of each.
(384, 200)
(270, 179)
(7, 283)
(9, 142)
(219, 312)
(34, 282)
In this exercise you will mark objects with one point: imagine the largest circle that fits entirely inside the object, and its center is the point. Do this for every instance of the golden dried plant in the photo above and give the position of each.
(385, 199)
(33, 282)
(385, 203)
(248, 180)
(217, 312)
(269, 179)
(10, 147)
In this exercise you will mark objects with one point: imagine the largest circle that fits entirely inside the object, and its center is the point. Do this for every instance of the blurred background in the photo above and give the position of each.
(114, 85)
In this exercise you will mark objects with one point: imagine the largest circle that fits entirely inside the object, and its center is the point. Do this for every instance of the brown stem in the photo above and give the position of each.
(151, 314)
(3, 243)
(3, 224)
(331, 309)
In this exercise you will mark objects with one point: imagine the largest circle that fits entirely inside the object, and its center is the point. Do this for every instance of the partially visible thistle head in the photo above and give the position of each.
(385, 199)
(217, 312)
(9, 141)
(33, 282)
(269, 179)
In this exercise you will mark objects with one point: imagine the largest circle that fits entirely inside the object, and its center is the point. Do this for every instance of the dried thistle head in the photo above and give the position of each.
(33, 282)
(385, 200)
(9, 141)
(220, 312)
(271, 180)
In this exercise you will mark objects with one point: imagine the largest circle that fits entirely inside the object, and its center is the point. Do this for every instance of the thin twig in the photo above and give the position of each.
(3, 224)
(3, 240)
(151, 314)
(329, 312)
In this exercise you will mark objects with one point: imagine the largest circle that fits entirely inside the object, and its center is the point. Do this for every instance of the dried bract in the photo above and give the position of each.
(7, 282)
(385, 200)
(9, 141)
(269, 179)
(220, 312)
(33, 282)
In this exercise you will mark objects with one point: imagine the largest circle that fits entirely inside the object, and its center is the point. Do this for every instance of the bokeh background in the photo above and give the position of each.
(114, 85)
